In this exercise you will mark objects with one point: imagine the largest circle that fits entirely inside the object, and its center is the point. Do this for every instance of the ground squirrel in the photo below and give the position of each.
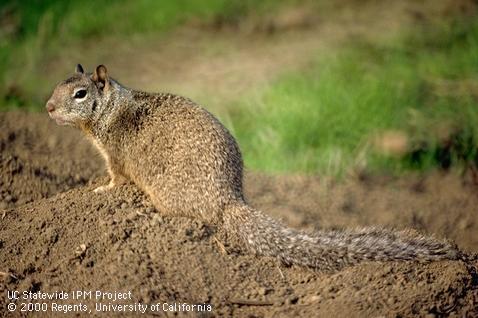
(190, 165)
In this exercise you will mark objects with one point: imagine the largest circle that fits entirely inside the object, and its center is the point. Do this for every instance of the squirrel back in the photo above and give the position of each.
(190, 165)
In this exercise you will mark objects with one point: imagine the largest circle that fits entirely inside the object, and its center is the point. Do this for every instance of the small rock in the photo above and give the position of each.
(391, 301)
(292, 300)
(132, 216)
(312, 299)
(262, 291)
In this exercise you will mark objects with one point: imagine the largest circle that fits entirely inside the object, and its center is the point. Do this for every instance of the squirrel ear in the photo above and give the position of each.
(100, 76)
(79, 69)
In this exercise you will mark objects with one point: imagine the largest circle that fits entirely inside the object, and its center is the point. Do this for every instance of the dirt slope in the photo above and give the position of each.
(56, 234)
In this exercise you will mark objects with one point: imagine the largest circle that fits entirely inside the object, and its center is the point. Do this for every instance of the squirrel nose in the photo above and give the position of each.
(50, 106)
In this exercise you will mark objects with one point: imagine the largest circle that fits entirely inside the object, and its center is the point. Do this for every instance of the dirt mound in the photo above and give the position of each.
(57, 235)
(38, 159)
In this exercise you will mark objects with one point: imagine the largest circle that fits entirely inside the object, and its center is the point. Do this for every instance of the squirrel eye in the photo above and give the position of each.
(81, 93)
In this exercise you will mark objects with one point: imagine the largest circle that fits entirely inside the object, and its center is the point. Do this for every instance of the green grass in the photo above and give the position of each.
(32, 32)
(324, 119)
(84, 19)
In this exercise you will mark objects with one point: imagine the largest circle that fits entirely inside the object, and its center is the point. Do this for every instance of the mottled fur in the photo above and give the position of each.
(190, 165)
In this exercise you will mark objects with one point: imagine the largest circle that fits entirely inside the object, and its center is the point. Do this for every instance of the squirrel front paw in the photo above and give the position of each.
(114, 181)
(104, 188)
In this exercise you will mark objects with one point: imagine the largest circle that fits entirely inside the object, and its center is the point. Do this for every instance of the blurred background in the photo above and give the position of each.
(322, 87)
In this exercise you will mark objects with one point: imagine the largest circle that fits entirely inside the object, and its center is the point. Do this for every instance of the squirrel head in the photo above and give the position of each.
(79, 99)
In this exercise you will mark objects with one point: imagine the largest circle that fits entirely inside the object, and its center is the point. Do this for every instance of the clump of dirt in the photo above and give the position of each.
(57, 235)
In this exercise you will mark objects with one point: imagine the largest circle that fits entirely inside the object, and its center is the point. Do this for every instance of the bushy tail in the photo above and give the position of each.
(330, 250)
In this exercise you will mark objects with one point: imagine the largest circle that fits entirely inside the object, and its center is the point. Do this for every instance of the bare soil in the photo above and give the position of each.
(57, 235)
